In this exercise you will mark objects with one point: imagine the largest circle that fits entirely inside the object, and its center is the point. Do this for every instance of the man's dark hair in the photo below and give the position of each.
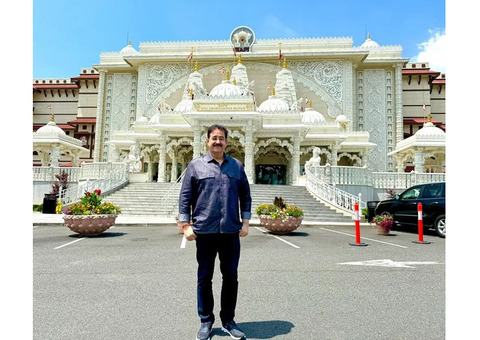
(219, 127)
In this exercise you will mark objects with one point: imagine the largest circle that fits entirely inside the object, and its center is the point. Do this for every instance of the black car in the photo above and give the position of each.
(404, 211)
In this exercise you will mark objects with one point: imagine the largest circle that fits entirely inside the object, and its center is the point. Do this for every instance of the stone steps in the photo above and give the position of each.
(146, 199)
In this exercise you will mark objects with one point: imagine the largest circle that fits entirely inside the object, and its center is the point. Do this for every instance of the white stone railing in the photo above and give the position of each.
(89, 171)
(329, 193)
(342, 174)
(348, 175)
(403, 180)
(116, 178)
(47, 173)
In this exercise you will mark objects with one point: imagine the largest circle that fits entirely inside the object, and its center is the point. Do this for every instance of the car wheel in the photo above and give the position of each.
(440, 227)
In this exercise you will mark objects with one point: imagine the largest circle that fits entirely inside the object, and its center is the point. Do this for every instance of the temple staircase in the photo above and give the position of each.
(161, 199)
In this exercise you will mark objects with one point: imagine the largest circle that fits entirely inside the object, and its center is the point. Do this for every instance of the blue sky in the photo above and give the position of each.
(70, 35)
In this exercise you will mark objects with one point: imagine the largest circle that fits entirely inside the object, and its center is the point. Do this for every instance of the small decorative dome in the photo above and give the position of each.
(343, 122)
(51, 129)
(128, 50)
(155, 119)
(342, 119)
(369, 43)
(273, 104)
(186, 105)
(226, 89)
(430, 131)
(312, 117)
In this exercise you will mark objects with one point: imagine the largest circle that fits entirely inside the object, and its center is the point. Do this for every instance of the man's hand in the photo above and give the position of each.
(244, 231)
(187, 230)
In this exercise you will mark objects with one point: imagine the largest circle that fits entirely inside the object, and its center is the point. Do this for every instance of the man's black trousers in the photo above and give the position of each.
(228, 248)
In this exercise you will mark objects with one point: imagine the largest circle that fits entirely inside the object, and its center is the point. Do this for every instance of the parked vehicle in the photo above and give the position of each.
(404, 211)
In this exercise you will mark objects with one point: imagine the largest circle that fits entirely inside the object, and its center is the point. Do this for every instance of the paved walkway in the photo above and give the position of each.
(40, 219)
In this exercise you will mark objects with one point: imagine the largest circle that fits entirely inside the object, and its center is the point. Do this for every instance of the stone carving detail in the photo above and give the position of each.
(328, 74)
(120, 101)
(372, 99)
(159, 77)
(154, 80)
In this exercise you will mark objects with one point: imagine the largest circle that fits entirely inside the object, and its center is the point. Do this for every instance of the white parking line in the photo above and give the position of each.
(365, 238)
(81, 238)
(278, 238)
(66, 244)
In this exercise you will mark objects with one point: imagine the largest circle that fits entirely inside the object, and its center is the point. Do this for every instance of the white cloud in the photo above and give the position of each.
(433, 51)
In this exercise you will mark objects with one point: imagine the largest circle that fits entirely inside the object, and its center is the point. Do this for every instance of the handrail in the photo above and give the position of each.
(170, 191)
(331, 194)
(114, 180)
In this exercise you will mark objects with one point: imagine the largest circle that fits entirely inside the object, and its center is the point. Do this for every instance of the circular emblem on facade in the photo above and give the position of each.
(242, 39)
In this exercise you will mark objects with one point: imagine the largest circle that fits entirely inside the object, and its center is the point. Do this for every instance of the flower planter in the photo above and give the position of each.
(278, 226)
(382, 231)
(89, 225)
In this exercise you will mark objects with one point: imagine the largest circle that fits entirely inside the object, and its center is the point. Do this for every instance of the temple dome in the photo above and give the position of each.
(186, 105)
(128, 50)
(369, 43)
(155, 119)
(273, 104)
(342, 119)
(312, 117)
(430, 131)
(51, 129)
(226, 89)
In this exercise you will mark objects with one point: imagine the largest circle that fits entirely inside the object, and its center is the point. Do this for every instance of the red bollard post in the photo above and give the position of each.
(357, 228)
(420, 225)
(420, 222)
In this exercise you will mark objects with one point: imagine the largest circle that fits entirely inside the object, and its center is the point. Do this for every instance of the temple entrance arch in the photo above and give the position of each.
(348, 159)
(272, 163)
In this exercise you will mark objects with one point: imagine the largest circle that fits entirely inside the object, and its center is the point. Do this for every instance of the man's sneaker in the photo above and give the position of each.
(232, 329)
(204, 331)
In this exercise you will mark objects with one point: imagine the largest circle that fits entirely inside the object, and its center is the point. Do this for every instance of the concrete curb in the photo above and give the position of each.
(40, 219)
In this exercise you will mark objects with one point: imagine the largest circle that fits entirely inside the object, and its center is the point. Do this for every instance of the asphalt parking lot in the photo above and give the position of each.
(140, 283)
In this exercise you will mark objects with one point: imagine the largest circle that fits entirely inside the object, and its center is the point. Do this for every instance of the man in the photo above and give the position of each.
(215, 186)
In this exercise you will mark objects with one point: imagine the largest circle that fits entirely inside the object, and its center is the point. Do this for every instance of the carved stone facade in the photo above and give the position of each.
(355, 93)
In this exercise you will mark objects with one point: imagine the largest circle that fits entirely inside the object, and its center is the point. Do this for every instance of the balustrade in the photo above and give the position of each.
(88, 171)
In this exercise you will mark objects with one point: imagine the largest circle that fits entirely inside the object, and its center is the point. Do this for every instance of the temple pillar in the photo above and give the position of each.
(249, 159)
(334, 155)
(162, 155)
(174, 171)
(295, 160)
(418, 161)
(75, 158)
(398, 102)
(99, 121)
(54, 156)
(197, 144)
